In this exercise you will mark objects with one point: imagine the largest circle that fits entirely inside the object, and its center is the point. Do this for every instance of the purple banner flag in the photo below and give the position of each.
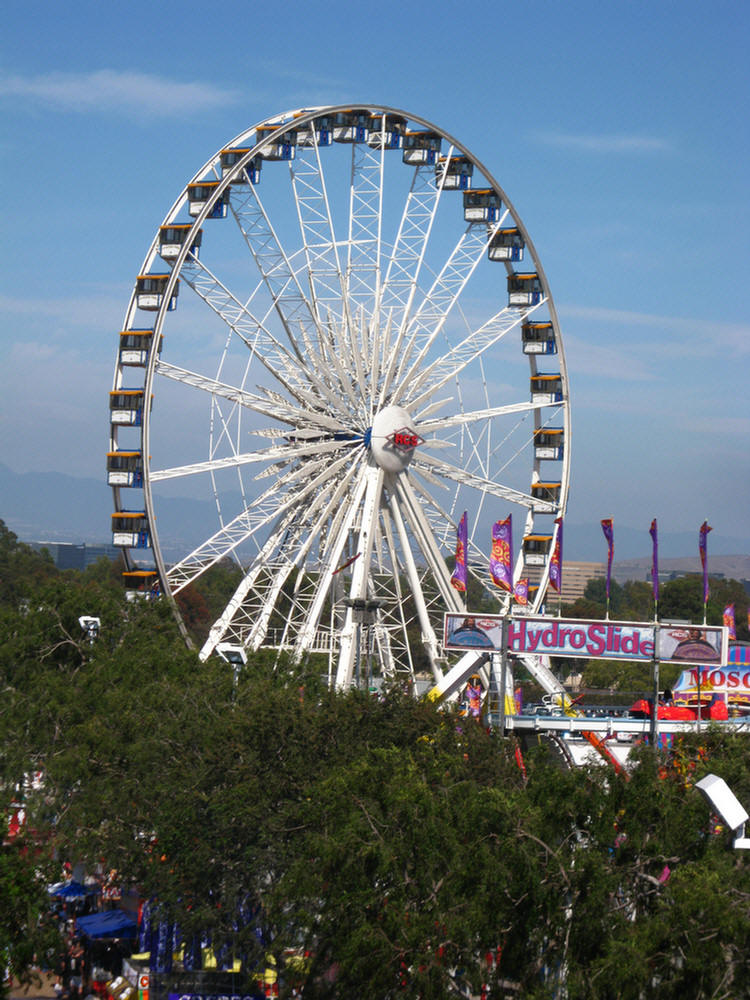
(653, 531)
(609, 533)
(501, 560)
(728, 620)
(555, 566)
(704, 561)
(521, 592)
(458, 578)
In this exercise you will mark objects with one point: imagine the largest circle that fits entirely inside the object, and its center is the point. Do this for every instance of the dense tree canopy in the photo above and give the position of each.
(404, 850)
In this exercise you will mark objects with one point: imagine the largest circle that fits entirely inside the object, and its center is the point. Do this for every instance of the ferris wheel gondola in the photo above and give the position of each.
(352, 362)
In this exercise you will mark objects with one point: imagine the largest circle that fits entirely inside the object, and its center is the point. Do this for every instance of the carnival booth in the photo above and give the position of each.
(728, 683)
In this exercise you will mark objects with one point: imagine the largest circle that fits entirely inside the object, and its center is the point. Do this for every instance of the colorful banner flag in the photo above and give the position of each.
(728, 620)
(655, 560)
(501, 560)
(704, 530)
(521, 592)
(555, 566)
(458, 577)
(609, 533)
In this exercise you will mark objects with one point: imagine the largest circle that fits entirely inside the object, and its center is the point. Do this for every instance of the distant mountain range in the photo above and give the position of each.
(53, 507)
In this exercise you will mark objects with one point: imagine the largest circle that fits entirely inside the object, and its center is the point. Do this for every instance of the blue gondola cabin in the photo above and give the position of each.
(482, 205)
(201, 192)
(125, 468)
(535, 549)
(172, 238)
(524, 290)
(548, 443)
(351, 126)
(141, 583)
(506, 244)
(229, 158)
(455, 172)
(545, 494)
(135, 347)
(538, 338)
(283, 147)
(386, 131)
(151, 289)
(546, 388)
(421, 148)
(318, 132)
(126, 407)
(130, 529)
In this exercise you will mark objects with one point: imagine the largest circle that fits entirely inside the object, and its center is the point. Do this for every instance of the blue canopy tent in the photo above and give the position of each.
(73, 890)
(108, 924)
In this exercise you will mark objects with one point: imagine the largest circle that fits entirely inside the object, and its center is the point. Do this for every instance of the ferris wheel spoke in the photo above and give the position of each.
(281, 453)
(406, 259)
(472, 416)
(247, 524)
(325, 275)
(436, 375)
(277, 273)
(429, 638)
(485, 486)
(365, 226)
(268, 404)
(426, 542)
(293, 539)
(437, 305)
(339, 536)
(252, 330)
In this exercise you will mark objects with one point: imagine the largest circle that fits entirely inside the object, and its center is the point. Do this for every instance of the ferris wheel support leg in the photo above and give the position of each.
(429, 638)
(350, 634)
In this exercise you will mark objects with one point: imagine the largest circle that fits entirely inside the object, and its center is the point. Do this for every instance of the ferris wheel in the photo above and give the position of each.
(341, 338)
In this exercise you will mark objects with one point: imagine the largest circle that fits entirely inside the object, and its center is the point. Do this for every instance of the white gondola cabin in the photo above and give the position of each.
(549, 443)
(125, 468)
(130, 529)
(200, 192)
(150, 290)
(546, 388)
(318, 132)
(458, 171)
(141, 583)
(482, 205)
(229, 158)
(386, 131)
(535, 549)
(351, 126)
(172, 238)
(546, 492)
(524, 290)
(135, 347)
(126, 407)
(283, 147)
(538, 338)
(421, 148)
(505, 244)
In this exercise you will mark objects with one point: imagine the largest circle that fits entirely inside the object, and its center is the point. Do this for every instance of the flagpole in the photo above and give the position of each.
(702, 550)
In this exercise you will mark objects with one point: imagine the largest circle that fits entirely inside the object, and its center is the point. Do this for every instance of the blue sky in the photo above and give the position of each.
(619, 131)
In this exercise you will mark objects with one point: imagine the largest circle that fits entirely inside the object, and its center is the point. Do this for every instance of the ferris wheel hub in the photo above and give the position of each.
(393, 438)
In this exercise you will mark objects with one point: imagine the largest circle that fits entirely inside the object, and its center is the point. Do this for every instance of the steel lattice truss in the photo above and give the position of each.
(343, 377)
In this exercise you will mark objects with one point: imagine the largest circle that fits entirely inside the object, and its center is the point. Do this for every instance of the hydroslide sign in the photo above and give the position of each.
(603, 640)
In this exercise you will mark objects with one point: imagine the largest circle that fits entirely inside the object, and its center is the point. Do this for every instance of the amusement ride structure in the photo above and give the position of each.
(341, 337)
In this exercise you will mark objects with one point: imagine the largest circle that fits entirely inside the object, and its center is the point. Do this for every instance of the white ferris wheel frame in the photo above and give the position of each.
(355, 500)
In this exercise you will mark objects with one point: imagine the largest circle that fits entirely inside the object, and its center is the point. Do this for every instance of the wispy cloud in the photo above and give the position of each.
(604, 144)
(125, 92)
(685, 335)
